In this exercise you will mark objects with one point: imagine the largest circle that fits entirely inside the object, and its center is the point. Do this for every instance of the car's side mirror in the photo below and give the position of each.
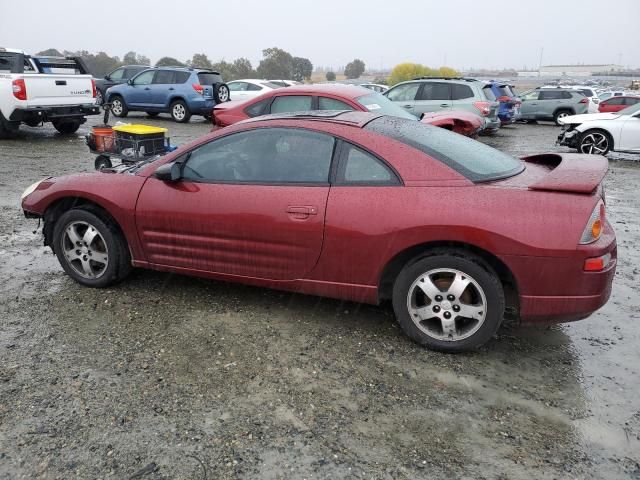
(130, 82)
(169, 172)
(107, 77)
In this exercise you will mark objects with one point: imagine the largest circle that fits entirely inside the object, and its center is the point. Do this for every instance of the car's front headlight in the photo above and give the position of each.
(30, 189)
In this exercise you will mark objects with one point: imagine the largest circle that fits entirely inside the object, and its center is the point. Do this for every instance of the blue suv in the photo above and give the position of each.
(509, 109)
(178, 91)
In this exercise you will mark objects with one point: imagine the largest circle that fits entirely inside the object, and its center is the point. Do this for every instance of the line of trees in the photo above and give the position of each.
(408, 71)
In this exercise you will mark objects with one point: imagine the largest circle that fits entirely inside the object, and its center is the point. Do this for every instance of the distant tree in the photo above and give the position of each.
(99, 64)
(380, 80)
(225, 69)
(49, 52)
(354, 69)
(276, 63)
(448, 72)
(408, 71)
(302, 69)
(132, 58)
(200, 60)
(331, 77)
(169, 62)
(241, 68)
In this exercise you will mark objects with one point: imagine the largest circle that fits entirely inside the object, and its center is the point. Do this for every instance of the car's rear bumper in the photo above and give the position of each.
(201, 106)
(557, 290)
(53, 112)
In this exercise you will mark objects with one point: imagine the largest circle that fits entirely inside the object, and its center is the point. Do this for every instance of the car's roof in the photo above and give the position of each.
(344, 117)
(347, 91)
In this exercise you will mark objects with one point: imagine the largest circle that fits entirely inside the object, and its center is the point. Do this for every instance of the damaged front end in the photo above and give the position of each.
(569, 136)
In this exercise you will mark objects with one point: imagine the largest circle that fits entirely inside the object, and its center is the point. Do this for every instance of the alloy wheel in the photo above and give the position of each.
(223, 94)
(447, 304)
(179, 111)
(85, 249)
(595, 143)
(116, 107)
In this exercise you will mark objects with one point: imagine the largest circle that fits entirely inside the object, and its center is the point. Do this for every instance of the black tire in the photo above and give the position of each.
(102, 161)
(99, 97)
(109, 240)
(208, 117)
(180, 112)
(595, 135)
(221, 92)
(118, 106)
(484, 286)
(33, 122)
(66, 127)
(561, 114)
(8, 129)
(152, 114)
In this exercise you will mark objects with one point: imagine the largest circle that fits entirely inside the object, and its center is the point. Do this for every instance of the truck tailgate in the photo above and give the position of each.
(58, 89)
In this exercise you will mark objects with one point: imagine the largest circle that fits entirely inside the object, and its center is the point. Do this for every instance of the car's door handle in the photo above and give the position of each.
(61, 82)
(444, 105)
(301, 211)
(171, 88)
(147, 88)
(407, 106)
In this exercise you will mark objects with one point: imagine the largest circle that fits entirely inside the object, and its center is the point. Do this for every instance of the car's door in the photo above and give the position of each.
(433, 97)
(630, 134)
(238, 90)
(550, 100)
(405, 95)
(462, 96)
(139, 92)
(612, 105)
(161, 87)
(529, 107)
(251, 203)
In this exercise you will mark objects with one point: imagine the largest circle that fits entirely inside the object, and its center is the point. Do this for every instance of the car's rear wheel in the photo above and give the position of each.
(90, 248)
(180, 112)
(119, 107)
(66, 127)
(99, 97)
(560, 114)
(449, 300)
(596, 142)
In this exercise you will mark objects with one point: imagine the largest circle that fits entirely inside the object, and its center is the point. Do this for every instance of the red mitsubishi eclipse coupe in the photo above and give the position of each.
(356, 206)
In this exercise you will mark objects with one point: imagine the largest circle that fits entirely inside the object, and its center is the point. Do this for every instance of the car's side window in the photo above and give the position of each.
(144, 78)
(265, 156)
(460, 92)
(631, 101)
(326, 103)
(180, 77)
(616, 101)
(531, 95)
(358, 167)
(253, 88)
(291, 103)
(404, 93)
(238, 86)
(117, 74)
(435, 91)
(163, 77)
(258, 108)
(566, 95)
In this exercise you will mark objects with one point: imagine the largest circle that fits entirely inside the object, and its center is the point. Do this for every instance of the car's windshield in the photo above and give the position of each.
(377, 103)
(630, 110)
(476, 161)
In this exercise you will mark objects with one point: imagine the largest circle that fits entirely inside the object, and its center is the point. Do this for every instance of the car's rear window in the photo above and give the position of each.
(377, 103)
(505, 91)
(209, 78)
(587, 92)
(476, 161)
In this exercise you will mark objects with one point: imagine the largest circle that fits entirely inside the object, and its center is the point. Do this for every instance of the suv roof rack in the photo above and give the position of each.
(465, 79)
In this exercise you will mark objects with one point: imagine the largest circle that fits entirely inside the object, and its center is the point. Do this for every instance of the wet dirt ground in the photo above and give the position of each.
(168, 377)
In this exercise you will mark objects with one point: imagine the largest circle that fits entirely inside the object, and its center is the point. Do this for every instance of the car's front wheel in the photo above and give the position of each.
(561, 115)
(90, 248)
(180, 112)
(449, 300)
(596, 142)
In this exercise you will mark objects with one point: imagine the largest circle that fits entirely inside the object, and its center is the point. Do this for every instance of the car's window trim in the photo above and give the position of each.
(334, 151)
(338, 179)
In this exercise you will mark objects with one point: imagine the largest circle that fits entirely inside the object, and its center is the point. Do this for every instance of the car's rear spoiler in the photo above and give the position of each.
(570, 172)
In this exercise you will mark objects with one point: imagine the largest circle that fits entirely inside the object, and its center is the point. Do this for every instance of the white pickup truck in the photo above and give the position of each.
(34, 90)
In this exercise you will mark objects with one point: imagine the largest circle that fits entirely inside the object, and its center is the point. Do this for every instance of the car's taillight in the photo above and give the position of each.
(93, 88)
(597, 264)
(595, 225)
(198, 88)
(584, 100)
(19, 89)
(484, 107)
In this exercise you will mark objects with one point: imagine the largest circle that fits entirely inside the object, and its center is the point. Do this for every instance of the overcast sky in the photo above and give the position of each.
(460, 33)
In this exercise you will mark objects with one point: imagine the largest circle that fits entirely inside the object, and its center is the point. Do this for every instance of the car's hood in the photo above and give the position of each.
(587, 117)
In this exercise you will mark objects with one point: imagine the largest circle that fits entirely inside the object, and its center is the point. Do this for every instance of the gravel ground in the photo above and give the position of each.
(172, 377)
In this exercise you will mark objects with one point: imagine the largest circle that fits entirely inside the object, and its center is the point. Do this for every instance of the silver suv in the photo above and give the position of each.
(433, 94)
(552, 104)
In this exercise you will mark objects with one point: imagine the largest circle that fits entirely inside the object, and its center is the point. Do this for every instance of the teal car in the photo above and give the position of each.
(552, 104)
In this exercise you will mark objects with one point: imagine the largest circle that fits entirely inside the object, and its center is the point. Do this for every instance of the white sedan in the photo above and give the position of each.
(247, 89)
(600, 133)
